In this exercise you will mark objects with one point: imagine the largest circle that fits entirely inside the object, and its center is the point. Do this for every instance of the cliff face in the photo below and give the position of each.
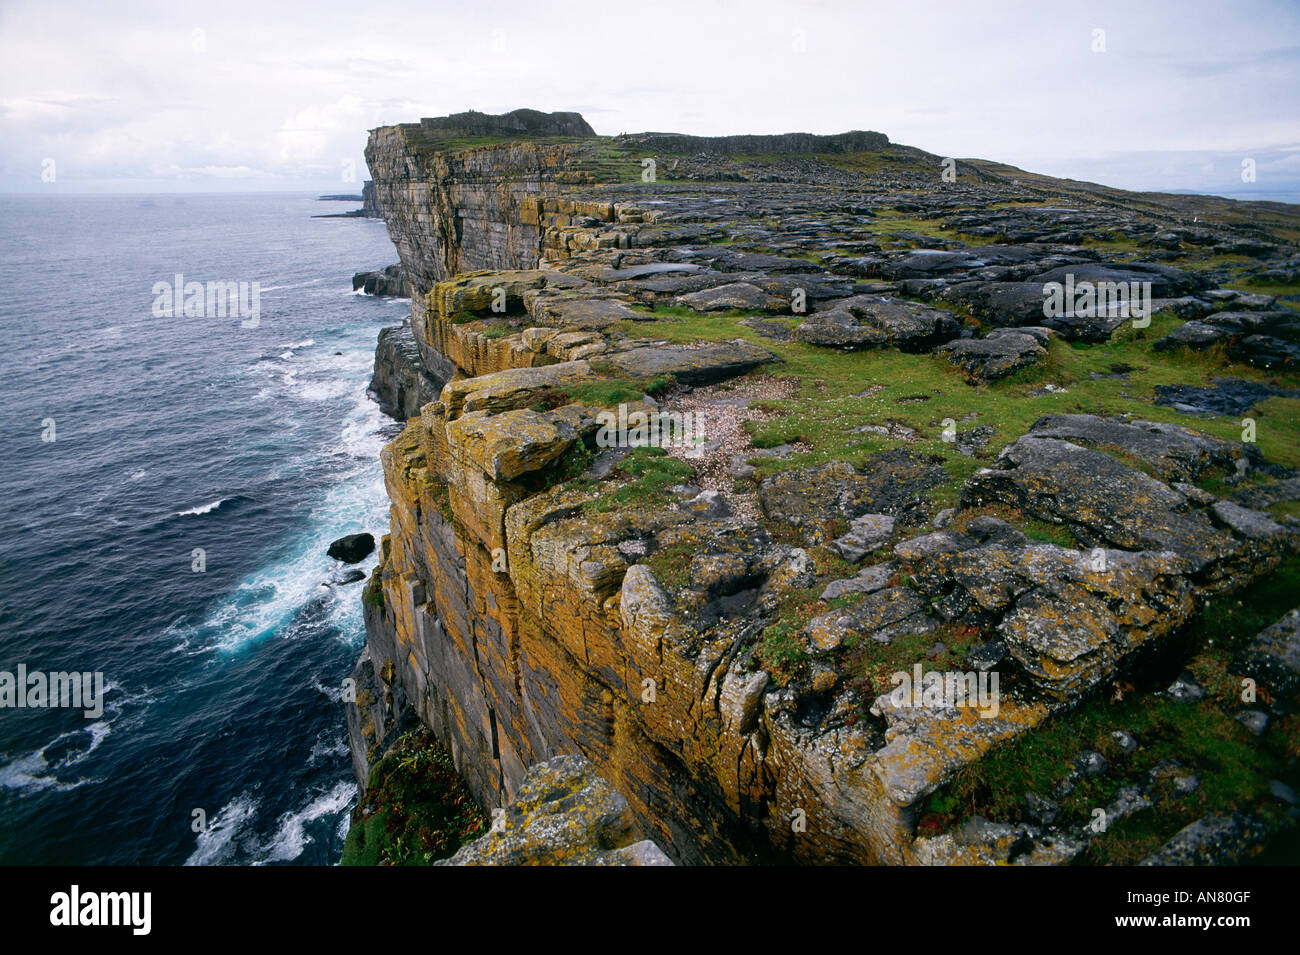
(400, 381)
(700, 632)
(370, 201)
(453, 211)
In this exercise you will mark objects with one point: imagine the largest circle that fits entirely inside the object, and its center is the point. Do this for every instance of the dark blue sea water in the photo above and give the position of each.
(258, 445)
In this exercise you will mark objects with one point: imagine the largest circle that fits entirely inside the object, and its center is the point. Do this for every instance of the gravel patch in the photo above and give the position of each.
(721, 411)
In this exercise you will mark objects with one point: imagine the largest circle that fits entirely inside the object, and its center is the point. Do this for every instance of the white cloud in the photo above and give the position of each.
(284, 97)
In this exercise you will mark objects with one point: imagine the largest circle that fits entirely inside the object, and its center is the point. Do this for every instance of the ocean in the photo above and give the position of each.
(172, 534)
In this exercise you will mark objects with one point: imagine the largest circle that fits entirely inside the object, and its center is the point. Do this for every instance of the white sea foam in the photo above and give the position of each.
(267, 600)
(291, 838)
(219, 840)
(33, 771)
(327, 748)
(204, 508)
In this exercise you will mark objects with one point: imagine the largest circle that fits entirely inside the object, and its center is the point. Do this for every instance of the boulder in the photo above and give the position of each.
(735, 296)
(692, 364)
(352, 548)
(872, 321)
(1002, 352)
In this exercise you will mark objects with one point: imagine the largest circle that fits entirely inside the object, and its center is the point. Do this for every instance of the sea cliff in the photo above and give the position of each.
(907, 464)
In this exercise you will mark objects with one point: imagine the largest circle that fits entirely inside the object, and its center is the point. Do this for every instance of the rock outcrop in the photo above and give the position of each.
(400, 382)
(563, 814)
(386, 282)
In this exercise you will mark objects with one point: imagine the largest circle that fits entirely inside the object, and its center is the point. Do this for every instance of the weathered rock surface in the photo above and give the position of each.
(690, 364)
(868, 321)
(1216, 839)
(1002, 352)
(1225, 396)
(1273, 657)
(1105, 503)
(891, 483)
(562, 814)
(400, 383)
(1268, 339)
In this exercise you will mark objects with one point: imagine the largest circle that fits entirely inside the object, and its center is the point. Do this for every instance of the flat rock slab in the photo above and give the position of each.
(873, 321)
(734, 296)
(777, 329)
(1225, 396)
(692, 364)
(634, 272)
(589, 314)
(1175, 453)
(1166, 281)
(921, 263)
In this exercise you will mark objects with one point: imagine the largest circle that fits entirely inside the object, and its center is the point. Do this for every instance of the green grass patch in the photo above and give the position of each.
(642, 480)
(415, 809)
(832, 395)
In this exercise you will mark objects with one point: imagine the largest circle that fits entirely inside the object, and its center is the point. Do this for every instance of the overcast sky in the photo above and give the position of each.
(174, 96)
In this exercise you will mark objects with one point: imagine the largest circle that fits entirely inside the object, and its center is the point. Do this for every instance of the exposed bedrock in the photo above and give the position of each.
(385, 282)
(400, 382)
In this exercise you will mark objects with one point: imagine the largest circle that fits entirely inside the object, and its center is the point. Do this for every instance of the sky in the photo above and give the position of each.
(176, 96)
